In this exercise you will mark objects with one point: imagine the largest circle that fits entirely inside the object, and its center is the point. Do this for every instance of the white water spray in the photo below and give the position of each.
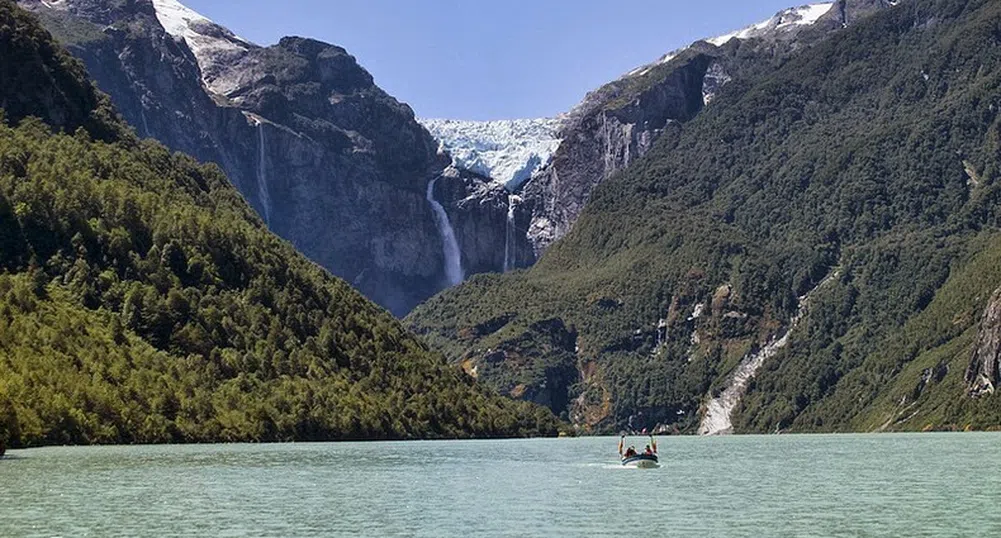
(716, 420)
(262, 179)
(510, 254)
(453, 256)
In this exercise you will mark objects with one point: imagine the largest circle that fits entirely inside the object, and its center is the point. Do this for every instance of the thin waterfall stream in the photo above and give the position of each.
(510, 253)
(716, 420)
(453, 256)
(262, 178)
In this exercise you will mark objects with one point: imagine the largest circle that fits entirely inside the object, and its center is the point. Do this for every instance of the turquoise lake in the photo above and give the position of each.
(760, 486)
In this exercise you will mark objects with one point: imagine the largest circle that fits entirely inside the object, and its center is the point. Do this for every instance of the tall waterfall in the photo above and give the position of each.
(262, 178)
(510, 252)
(453, 256)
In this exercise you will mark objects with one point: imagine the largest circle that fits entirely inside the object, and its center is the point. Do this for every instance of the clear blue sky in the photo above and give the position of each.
(492, 59)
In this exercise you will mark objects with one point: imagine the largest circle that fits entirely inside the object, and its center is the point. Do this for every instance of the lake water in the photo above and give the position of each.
(828, 485)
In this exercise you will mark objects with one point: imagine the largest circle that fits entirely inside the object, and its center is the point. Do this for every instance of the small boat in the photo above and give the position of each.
(642, 461)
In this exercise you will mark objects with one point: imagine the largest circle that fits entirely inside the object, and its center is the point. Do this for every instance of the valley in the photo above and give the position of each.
(643, 260)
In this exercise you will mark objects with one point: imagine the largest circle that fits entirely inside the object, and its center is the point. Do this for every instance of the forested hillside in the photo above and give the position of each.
(142, 300)
(871, 158)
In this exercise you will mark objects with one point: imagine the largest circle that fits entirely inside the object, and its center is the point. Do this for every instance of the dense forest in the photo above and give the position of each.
(872, 157)
(143, 301)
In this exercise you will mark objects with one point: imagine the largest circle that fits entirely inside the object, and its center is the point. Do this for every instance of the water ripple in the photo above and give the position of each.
(845, 485)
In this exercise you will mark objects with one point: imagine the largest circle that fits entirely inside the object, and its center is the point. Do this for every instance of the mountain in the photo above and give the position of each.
(342, 170)
(816, 250)
(330, 161)
(619, 122)
(556, 168)
(142, 300)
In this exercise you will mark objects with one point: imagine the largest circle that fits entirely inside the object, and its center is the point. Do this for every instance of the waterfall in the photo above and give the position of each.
(262, 179)
(716, 420)
(453, 256)
(510, 254)
(142, 115)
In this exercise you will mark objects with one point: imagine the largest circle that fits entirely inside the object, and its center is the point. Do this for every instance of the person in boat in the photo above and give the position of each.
(647, 451)
(630, 452)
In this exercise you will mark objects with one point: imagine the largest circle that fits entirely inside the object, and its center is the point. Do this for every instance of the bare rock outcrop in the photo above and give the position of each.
(982, 374)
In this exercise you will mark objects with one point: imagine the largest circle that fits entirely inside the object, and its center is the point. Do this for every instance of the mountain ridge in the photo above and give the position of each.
(618, 122)
(864, 156)
(142, 300)
(338, 156)
(326, 156)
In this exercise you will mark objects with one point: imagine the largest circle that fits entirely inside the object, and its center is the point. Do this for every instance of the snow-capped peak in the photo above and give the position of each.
(507, 151)
(210, 42)
(800, 16)
(783, 21)
(177, 18)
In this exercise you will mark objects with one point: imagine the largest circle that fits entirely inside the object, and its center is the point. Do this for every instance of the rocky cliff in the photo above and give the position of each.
(330, 161)
(603, 135)
(552, 165)
(982, 376)
(341, 169)
(619, 122)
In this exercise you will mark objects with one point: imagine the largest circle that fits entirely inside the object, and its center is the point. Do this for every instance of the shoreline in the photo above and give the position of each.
(661, 438)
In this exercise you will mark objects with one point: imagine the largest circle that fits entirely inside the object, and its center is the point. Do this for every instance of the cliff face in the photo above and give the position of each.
(619, 122)
(602, 137)
(982, 375)
(485, 217)
(330, 161)
(338, 167)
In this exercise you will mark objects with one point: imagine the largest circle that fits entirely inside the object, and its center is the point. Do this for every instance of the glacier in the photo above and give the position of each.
(506, 151)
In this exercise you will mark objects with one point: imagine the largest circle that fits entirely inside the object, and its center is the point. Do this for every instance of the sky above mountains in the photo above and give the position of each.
(484, 60)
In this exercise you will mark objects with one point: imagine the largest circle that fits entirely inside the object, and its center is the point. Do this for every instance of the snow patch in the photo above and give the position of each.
(806, 15)
(206, 39)
(745, 33)
(797, 16)
(784, 20)
(507, 151)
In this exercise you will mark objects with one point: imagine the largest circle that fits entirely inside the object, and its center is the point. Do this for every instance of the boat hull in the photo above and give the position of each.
(642, 461)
